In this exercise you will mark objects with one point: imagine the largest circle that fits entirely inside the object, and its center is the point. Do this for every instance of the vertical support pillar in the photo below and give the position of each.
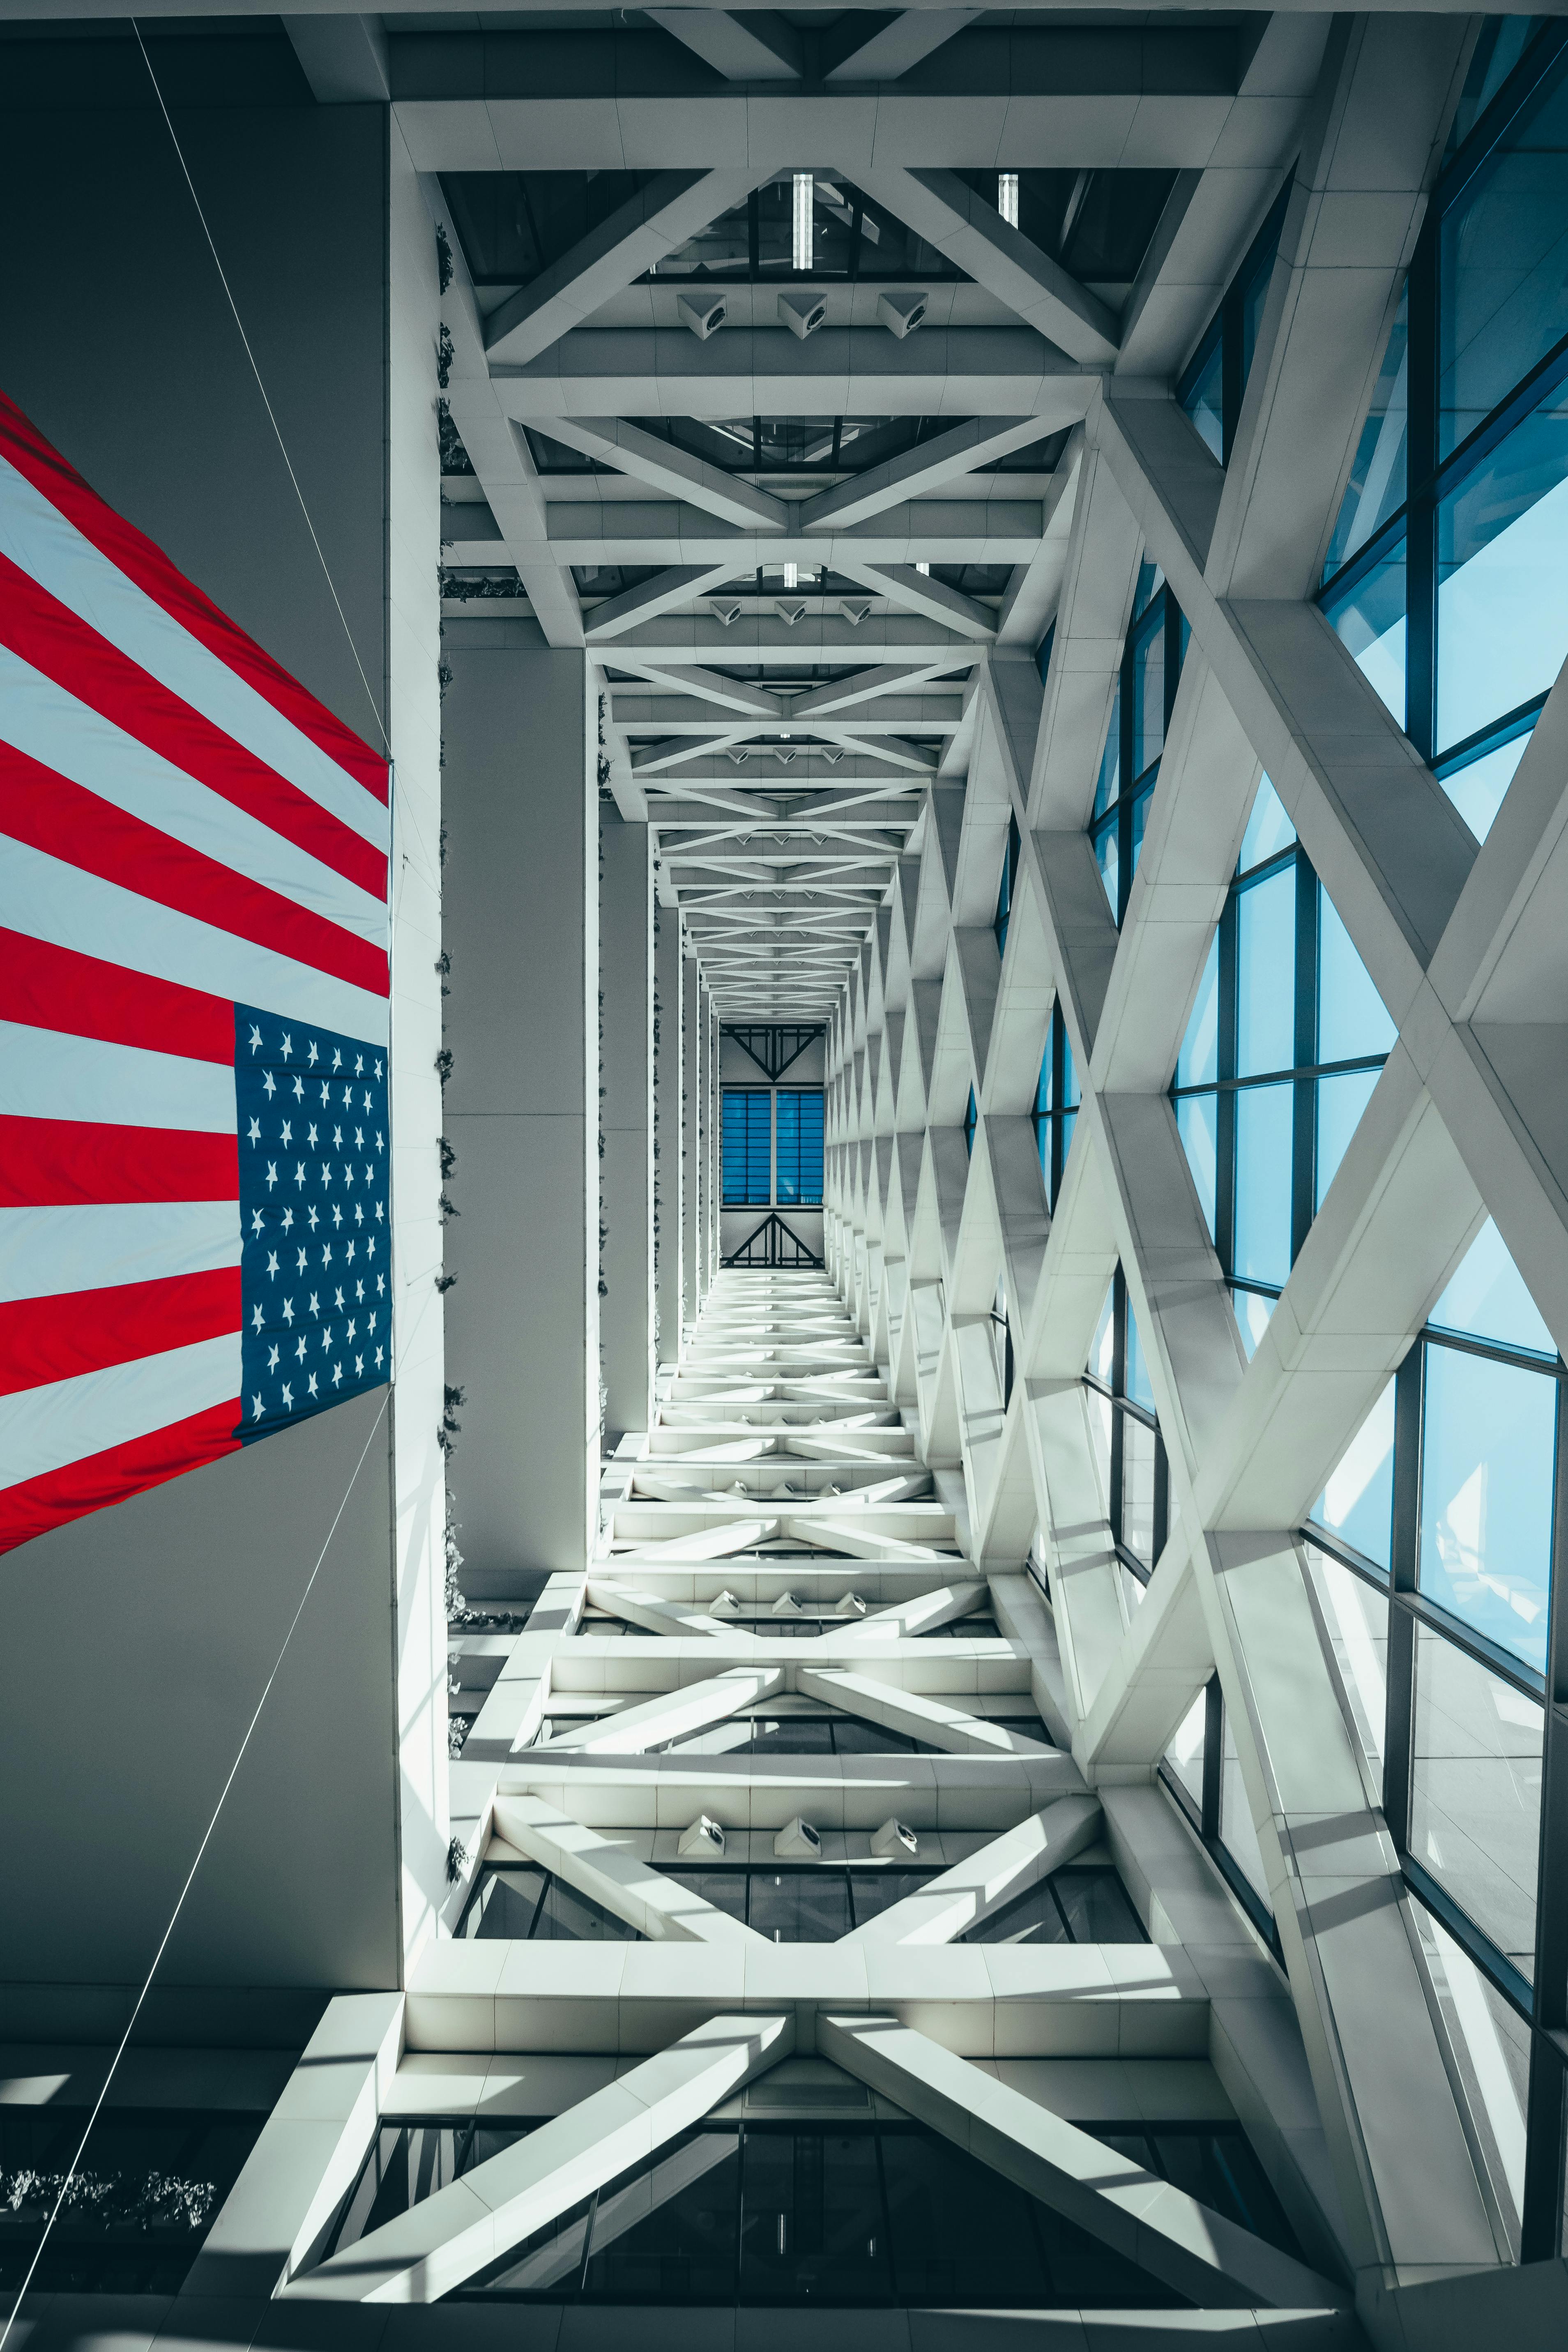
(625, 1123)
(668, 1065)
(523, 1104)
(690, 1131)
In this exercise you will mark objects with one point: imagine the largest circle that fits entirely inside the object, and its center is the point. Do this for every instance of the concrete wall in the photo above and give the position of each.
(626, 1121)
(136, 1640)
(521, 924)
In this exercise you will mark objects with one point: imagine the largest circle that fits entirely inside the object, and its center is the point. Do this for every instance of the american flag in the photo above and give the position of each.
(194, 1224)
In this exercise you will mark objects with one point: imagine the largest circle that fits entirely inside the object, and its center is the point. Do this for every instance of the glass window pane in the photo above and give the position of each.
(1071, 1095)
(1369, 619)
(961, 2233)
(1197, 1124)
(1475, 1812)
(1197, 1064)
(799, 1145)
(1356, 1614)
(1377, 482)
(1107, 783)
(1341, 1102)
(800, 1907)
(1487, 1459)
(1477, 788)
(668, 2235)
(1151, 579)
(1263, 1129)
(1269, 829)
(1096, 1907)
(1033, 1918)
(1108, 857)
(1098, 1409)
(1502, 585)
(1141, 807)
(1185, 1753)
(1204, 402)
(1357, 1504)
(1503, 300)
(503, 1905)
(1353, 1020)
(1149, 696)
(568, 1918)
(1236, 1833)
(1138, 1488)
(812, 2230)
(1266, 976)
(1487, 1298)
(748, 1146)
(1136, 1382)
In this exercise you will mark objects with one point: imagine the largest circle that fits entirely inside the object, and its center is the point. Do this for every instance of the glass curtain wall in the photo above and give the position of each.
(1141, 711)
(1432, 1551)
(1130, 1449)
(1005, 889)
(1214, 379)
(1282, 1051)
(1445, 576)
(773, 1147)
(1057, 1100)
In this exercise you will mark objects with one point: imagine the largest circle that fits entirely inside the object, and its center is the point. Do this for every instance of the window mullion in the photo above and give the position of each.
(1214, 1755)
(1224, 1101)
(1303, 1156)
(1420, 541)
(1399, 1723)
(1541, 2224)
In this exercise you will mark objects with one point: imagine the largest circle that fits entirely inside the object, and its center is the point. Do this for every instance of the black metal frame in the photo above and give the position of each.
(1122, 1405)
(1162, 612)
(1545, 2005)
(776, 1051)
(971, 1121)
(1006, 887)
(1204, 1819)
(781, 1246)
(1305, 1069)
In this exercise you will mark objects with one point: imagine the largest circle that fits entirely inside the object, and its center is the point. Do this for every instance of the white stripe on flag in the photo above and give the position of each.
(46, 1252)
(47, 898)
(44, 1429)
(50, 1074)
(49, 724)
(40, 539)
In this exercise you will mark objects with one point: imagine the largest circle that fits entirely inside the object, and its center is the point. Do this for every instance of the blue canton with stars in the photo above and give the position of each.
(315, 1220)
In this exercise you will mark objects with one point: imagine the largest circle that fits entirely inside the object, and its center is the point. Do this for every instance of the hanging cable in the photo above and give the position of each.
(256, 372)
(190, 1877)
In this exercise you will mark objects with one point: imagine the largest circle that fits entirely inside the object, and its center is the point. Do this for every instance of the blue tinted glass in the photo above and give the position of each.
(1137, 1383)
(970, 1117)
(1477, 788)
(1197, 1064)
(1204, 401)
(1376, 486)
(1341, 1102)
(1269, 829)
(1043, 1102)
(1069, 1120)
(748, 1146)
(1140, 820)
(1352, 1018)
(1149, 696)
(1503, 298)
(1108, 857)
(1475, 1794)
(1107, 783)
(1502, 585)
(1151, 579)
(799, 1146)
(1487, 1459)
(1263, 1184)
(1501, 43)
(1198, 1123)
(1266, 975)
(1042, 653)
(1487, 1298)
(1370, 621)
(1070, 1095)
(1357, 1504)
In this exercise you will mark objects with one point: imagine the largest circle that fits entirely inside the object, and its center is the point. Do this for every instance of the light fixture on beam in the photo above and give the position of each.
(801, 222)
(802, 313)
(704, 316)
(1007, 197)
(902, 313)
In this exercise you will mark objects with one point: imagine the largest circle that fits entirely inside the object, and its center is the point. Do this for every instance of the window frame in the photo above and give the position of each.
(1122, 1405)
(1054, 1118)
(1226, 331)
(1008, 887)
(1160, 613)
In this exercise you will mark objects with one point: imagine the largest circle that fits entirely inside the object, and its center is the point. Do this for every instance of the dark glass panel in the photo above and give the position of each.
(514, 224)
(812, 2228)
(960, 2233)
(668, 2234)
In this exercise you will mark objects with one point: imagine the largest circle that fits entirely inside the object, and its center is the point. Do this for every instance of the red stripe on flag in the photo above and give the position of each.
(150, 569)
(49, 813)
(47, 1163)
(54, 988)
(47, 635)
(59, 1337)
(37, 1505)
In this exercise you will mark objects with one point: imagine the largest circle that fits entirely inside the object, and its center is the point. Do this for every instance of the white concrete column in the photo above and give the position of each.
(625, 1123)
(692, 1285)
(522, 898)
(715, 1139)
(667, 1096)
